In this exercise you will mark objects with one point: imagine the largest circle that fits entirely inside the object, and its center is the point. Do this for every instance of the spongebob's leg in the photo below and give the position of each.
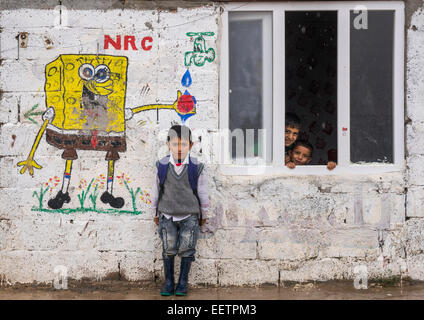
(63, 195)
(110, 172)
(67, 176)
(107, 196)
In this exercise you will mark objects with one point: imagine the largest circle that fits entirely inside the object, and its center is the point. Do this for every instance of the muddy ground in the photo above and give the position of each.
(124, 290)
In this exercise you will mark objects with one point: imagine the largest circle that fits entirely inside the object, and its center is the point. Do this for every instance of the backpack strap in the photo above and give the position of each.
(194, 171)
(162, 166)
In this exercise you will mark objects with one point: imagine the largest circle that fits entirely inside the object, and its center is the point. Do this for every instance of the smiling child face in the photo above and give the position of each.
(291, 135)
(300, 155)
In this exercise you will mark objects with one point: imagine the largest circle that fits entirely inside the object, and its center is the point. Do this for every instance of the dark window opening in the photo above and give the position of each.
(311, 80)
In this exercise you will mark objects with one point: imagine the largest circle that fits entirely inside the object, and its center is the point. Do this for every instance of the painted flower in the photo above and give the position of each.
(121, 178)
(82, 185)
(99, 182)
(52, 183)
(145, 197)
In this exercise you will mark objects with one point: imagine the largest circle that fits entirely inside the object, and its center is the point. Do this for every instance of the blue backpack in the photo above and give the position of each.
(194, 171)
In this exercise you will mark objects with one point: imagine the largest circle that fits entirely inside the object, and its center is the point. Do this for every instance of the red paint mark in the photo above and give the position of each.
(344, 129)
(143, 43)
(129, 40)
(116, 45)
(94, 140)
(13, 142)
(185, 104)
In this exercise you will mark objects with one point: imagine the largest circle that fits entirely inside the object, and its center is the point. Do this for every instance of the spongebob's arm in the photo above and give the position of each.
(30, 163)
(158, 106)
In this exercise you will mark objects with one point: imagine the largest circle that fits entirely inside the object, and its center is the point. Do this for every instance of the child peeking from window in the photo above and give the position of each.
(301, 154)
(291, 132)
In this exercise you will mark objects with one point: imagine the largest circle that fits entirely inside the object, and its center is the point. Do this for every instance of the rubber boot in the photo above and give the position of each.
(182, 285)
(168, 267)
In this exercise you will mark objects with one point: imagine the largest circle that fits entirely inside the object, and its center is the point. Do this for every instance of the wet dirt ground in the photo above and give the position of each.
(334, 290)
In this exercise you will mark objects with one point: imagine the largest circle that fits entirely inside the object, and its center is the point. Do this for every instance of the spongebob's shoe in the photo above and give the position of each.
(57, 202)
(114, 202)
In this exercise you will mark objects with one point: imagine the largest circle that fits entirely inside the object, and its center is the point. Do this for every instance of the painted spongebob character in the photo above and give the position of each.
(85, 100)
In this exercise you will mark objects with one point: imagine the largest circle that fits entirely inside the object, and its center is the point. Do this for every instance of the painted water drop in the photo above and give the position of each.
(186, 80)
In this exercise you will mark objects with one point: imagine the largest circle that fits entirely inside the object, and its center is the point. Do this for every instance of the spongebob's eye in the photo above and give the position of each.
(86, 71)
(102, 73)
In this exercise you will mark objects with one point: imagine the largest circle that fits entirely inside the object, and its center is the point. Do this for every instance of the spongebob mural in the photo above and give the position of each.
(85, 101)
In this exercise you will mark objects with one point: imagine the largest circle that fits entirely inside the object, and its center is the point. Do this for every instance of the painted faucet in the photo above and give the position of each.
(200, 54)
(85, 100)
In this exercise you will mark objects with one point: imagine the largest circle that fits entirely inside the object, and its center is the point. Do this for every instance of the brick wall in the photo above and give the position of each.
(261, 229)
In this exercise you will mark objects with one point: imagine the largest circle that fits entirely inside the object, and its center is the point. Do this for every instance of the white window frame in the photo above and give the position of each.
(343, 84)
(267, 84)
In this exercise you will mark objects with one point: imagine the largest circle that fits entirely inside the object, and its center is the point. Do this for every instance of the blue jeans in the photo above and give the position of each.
(179, 237)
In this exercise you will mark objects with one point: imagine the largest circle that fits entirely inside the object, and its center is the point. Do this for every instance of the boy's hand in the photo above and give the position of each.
(156, 219)
(331, 165)
(202, 222)
(291, 165)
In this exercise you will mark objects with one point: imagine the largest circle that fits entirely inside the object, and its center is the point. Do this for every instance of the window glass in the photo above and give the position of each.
(371, 86)
(249, 55)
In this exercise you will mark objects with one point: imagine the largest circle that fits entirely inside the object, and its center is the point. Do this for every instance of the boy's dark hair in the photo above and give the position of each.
(303, 143)
(179, 131)
(292, 120)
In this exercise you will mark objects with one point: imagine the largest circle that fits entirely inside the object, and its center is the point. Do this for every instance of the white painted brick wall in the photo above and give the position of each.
(260, 230)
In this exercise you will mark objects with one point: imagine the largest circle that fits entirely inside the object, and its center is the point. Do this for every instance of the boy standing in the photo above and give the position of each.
(180, 200)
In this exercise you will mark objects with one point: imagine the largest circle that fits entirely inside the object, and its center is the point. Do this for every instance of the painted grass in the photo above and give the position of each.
(79, 210)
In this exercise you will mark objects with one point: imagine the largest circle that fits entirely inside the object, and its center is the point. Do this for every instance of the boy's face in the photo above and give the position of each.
(300, 155)
(291, 135)
(179, 148)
